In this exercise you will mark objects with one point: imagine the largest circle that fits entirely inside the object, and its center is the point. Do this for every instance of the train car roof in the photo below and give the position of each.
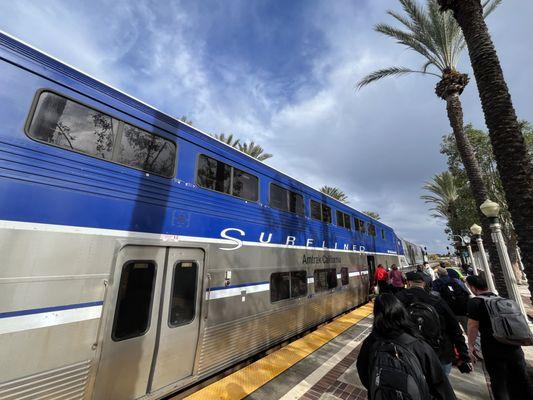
(28, 51)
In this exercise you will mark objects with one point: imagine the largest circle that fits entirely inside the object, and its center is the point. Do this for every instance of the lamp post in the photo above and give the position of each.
(491, 210)
(476, 231)
(466, 241)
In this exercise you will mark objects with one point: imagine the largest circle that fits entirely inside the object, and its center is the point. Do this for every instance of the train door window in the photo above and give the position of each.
(296, 203)
(298, 284)
(183, 295)
(213, 174)
(280, 286)
(345, 278)
(134, 302)
(316, 210)
(278, 197)
(245, 185)
(65, 123)
(142, 150)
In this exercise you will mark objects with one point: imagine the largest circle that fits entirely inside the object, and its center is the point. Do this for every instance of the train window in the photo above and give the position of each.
(356, 224)
(183, 300)
(245, 185)
(280, 286)
(132, 312)
(72, 126)
(362, 227)
(325, 279)
(345, 278)
(213, 174)
(142, 150)
(278, 197)
(298, 284)
(316, 210)
(288, 285)
(372, 229)
(216, 175)
(383, 233)
(286, 200)
(296, 203)
(343, 220)
(326, 214)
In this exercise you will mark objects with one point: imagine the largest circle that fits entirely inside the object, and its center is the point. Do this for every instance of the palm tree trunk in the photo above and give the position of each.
(514, 166)
(479, 191)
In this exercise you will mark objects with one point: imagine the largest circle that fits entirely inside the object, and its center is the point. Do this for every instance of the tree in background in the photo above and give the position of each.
(254, 150)
(335, 192)
(481, 143)
(372, 214)
(185, 119)
(437, 37)
(514, 164)
(229, 140)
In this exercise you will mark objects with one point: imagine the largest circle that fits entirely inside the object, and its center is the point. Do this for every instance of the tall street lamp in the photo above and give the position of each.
(476, 231)
(466, 241)
(491, 210)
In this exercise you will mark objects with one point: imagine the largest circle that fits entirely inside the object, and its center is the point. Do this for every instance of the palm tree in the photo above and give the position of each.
(437, 37)
(229, 140)
(444, 195)
(372, 214)
(335, 192)
(514, 165)
(254, 150)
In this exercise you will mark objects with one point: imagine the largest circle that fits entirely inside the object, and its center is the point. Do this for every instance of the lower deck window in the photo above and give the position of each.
(325, 279)
(288, 285)
(134, 302)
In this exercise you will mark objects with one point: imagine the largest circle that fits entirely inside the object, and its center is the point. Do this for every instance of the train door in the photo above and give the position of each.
(180, 317)
(151, 332)
(370, 261)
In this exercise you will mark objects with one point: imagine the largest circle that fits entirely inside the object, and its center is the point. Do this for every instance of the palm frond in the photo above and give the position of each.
(254, 150)
(489, 6)
(386, 72)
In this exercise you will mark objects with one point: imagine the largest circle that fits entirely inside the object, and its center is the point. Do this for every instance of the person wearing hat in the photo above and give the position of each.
(451, 336)
(452, 290)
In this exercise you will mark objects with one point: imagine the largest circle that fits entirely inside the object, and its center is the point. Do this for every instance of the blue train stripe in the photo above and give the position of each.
(49, 309)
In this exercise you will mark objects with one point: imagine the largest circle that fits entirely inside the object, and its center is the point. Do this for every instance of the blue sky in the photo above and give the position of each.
(283, 73)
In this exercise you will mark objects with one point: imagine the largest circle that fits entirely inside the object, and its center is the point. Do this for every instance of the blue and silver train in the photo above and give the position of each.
(140, 255)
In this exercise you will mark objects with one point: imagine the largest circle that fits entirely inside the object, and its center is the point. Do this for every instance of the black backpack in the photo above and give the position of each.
(455, 296)
(396, 373)
(427, 320)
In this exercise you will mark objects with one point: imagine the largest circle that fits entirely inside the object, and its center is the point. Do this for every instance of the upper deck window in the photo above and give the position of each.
(216, 175)
(359, 225)
(371, 229)
(343, 220)
(72, 126)
(286, 200)
(320, 211)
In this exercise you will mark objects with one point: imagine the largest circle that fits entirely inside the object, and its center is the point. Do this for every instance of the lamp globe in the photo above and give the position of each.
(490, 209)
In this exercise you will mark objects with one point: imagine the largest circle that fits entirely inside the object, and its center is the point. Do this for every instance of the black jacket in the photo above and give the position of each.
(452, 334)
(437, 381)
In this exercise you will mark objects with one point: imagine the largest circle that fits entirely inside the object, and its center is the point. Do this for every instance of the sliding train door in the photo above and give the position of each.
(129, 339)
(371, 263)
(152, 321)
(180, 317)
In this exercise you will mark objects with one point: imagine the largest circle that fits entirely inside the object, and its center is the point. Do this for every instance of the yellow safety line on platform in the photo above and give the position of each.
(250, 378)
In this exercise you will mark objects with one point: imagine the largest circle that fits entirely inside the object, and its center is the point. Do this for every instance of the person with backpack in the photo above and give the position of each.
(436, 323)
(453, 293)
(381, 277)
(395, 363)
(503, 329)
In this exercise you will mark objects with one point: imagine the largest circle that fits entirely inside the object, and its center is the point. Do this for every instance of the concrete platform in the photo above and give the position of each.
(321, 365)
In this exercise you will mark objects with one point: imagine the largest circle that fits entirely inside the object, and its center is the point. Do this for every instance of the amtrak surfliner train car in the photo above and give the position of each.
(140, 255)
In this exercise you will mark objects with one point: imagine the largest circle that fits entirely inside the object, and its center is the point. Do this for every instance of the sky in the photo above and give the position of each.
(283, 73)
